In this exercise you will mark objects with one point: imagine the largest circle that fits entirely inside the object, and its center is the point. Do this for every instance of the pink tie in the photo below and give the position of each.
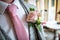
(18, 25)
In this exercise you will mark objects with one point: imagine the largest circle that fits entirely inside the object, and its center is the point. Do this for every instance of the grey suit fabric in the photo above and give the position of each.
(3, 35)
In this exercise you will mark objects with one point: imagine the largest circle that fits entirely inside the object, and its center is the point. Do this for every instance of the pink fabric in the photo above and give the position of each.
(18, 25)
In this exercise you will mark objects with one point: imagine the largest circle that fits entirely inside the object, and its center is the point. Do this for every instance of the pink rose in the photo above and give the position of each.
(32, 16)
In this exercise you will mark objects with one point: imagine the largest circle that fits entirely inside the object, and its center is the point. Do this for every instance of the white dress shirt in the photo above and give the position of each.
(5, 21)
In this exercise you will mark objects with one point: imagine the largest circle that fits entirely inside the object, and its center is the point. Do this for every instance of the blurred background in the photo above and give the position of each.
(50, 13)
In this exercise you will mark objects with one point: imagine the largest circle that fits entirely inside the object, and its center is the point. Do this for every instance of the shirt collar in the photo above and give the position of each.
(3, 5)
(16, 2)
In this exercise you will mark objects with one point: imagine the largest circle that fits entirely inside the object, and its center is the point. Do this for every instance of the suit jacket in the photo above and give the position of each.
(3, 35)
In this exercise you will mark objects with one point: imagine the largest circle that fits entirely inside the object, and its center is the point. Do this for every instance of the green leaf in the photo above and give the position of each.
(39, 27)
(32, 9)
(31, 24)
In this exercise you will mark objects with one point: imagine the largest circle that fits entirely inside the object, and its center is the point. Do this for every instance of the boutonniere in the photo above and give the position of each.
(34, 18)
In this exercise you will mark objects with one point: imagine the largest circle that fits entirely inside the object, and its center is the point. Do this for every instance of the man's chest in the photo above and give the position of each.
(5, 19)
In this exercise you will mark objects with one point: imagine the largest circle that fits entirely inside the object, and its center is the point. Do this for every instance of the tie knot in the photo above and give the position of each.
(12, 10)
